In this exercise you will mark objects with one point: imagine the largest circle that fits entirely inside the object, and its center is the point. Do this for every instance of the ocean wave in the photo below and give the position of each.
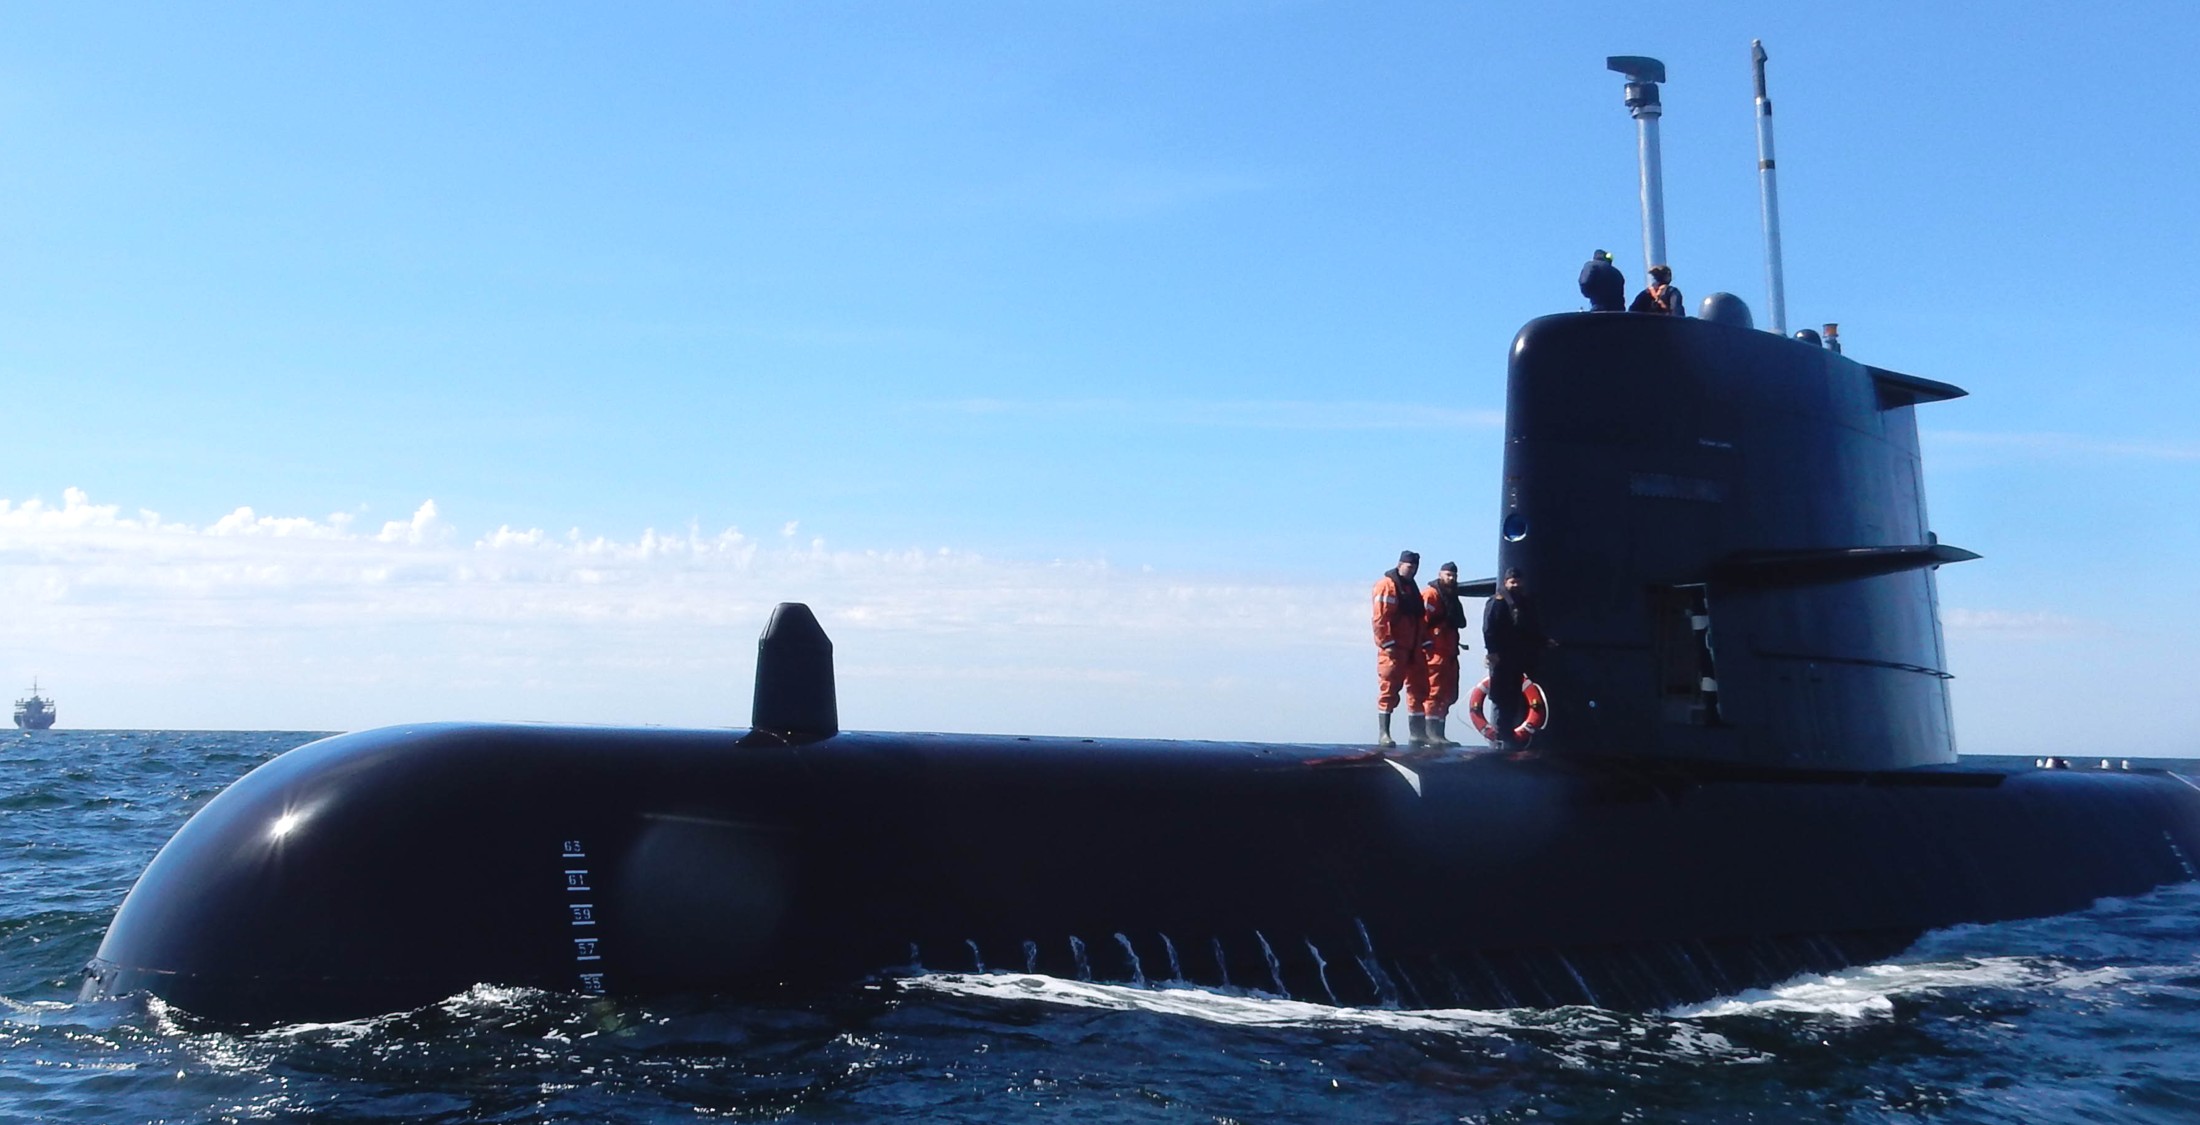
(1869, 990)
(1549, 1026)
(2063, 954)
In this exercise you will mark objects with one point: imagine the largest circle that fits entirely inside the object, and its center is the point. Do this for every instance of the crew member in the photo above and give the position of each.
(1441, 647)
(1603, 284)
(1398, 655)
(1661, 297)
(1512, 634)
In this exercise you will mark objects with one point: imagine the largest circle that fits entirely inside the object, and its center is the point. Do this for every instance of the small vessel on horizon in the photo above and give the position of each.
(36, 712)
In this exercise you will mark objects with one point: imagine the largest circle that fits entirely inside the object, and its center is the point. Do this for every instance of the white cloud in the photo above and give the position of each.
(419, 529)
(244, 521)
(504, 538)
(256, 620)
(77, 512)
(291, 622)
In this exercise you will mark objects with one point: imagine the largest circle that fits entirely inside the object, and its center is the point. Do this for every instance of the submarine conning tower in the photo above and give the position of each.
(1726, 531)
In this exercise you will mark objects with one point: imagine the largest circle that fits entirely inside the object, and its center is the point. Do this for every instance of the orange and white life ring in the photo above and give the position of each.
(1539, 711)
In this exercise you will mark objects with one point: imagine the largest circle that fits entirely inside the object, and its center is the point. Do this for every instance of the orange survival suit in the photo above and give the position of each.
(1445, 617)
(1398, 613)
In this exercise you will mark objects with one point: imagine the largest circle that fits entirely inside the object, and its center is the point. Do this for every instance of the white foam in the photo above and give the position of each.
(1214, 1007)
(1869, 990)
(1577, 1037)
(1861, 993)
(31, 1014)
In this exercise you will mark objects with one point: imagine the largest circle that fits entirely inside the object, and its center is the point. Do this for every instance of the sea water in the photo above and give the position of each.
(2088, 1017)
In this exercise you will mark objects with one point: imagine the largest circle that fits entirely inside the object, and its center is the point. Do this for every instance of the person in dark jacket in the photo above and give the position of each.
(1603, 284)
(1513, 638)
(1661, 297)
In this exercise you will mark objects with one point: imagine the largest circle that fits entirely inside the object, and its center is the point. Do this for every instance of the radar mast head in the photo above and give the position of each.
(1637, 68)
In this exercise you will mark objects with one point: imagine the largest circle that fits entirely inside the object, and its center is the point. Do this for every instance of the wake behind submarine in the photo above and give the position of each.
(1747, 771)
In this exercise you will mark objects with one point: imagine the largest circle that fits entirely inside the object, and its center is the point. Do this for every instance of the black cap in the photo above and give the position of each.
(1512, 572)
(1409, 557)
(1450, 566)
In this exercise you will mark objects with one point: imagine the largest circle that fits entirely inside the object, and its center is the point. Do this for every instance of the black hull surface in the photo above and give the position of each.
(1749, 770)
(379, 871)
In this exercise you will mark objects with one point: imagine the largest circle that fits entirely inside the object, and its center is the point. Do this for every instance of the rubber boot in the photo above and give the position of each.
(1418, 727)
(1437, 735)
(1500, 736)
(1382, 729)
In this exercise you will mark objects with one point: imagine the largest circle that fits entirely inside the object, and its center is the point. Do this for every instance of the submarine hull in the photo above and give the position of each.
(1748, 771)
(380, 871)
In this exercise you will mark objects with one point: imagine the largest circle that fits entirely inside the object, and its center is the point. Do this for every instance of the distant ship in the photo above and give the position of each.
(36, 712)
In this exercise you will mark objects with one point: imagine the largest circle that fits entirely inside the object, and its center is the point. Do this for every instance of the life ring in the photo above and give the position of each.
(1539, 711)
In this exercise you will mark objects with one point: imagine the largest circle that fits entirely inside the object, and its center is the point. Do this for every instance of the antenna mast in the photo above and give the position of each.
(1643, 75)
(1769, 185)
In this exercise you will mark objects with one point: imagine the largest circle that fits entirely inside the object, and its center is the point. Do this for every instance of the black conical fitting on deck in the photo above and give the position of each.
(794, 676)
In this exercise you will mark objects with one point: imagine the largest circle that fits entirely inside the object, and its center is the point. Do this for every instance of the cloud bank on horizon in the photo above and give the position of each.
(320, 623)
(314, 623)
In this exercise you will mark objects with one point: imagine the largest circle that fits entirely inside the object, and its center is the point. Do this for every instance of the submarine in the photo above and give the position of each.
(1746, 770)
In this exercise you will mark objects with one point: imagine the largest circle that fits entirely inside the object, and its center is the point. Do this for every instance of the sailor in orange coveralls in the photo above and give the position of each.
(1440, 644)
(1398, 654)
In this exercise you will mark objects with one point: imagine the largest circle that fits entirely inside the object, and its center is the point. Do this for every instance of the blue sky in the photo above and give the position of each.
(997, 330)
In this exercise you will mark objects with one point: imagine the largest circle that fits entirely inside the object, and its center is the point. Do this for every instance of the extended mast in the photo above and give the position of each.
(1769, 188)
(1643, 75)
